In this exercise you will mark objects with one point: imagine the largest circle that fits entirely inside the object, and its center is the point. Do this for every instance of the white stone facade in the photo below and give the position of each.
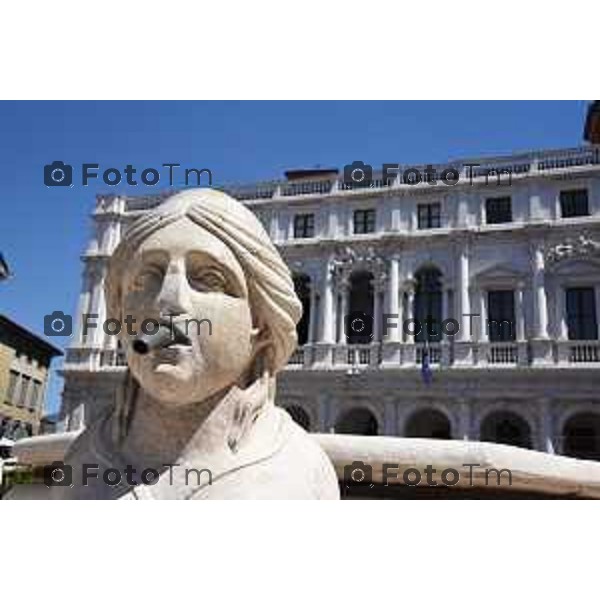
(537, 386)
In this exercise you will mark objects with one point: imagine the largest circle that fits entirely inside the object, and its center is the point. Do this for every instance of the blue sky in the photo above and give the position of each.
(44, 230)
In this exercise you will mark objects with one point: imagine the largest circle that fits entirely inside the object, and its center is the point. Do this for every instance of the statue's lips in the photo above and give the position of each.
(171, 354)
(167, 337)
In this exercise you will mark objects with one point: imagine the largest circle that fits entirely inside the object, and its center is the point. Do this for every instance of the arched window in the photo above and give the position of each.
(581, 436)
(361, 302)
(299, 415)
(428, 303)
(505, 427)
(357, 421)
(302, 287)
(428, 423)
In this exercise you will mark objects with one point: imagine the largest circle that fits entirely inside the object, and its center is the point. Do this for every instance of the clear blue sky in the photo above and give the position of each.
(44, 230)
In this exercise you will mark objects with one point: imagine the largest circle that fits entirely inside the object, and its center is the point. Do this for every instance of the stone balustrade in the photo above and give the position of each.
(535, 163)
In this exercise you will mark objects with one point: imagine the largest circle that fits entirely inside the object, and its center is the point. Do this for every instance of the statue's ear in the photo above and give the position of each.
(261, 354)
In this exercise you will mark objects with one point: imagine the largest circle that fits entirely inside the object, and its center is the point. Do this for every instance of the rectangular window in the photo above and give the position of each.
(429, 216)
(501, 316)
(36, 395)
(13, 380)
(304, 226)
(364, 221)
(498, 210)
(23, 395)
(574, 203)
(581, 314)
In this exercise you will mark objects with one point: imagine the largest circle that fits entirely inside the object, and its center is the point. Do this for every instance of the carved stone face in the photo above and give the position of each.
(182, 272)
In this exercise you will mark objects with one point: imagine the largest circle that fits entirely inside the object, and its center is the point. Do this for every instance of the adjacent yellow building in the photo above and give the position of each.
(24, 367)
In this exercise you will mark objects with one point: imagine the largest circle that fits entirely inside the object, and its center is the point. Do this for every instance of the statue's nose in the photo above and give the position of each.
(173, 298)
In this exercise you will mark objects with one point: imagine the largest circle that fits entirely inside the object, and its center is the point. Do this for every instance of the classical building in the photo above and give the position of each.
(24, 366)
(504, 252)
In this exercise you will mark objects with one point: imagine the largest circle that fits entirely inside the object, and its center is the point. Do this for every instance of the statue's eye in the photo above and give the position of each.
(150, 277)
(207, 280)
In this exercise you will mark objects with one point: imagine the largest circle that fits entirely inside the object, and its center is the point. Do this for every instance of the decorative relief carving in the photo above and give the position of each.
(581, 246)
(349, 260)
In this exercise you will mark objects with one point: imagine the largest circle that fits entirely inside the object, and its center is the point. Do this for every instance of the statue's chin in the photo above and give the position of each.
(171, 385)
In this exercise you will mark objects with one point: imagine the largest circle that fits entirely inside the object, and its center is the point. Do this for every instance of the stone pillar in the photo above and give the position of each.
(463, 348)
(445, 339)
(323, 349)
(344, 305)
(541, 346)
(597, 306)
(540, 305)
(463, 421)
(410, 311)
(97, 305)
(377, 312)
(409, 350)
(274, 226)
(464, 303)
(445, 310)
(323, 415)
(326, 333)
(483, 319)
(389, 418)
(82, 306)
(520, 314)
(562, 332)
(312, 334)
(393, 304)
(546, 426)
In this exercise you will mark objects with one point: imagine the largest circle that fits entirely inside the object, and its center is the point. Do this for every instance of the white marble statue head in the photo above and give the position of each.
(203, 258)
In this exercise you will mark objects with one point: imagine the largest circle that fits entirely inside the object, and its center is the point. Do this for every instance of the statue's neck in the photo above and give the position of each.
(161, 434)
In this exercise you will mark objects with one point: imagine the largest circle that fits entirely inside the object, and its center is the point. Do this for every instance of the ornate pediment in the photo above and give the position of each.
(499, 274)
(348, 260)
(580, 247)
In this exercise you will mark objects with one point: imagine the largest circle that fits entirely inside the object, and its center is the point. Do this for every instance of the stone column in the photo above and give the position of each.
(393, 303)
(326, 334)
(464, 302)
(409, 350)
(377, 312)
(546, 428)
(541, 346)
(520, 313)
(444, 339)
(445, 311)
(483, 319)
(344, 305)
(83, 305)
(410, 310)
(389, 418)
(324, 348)
(97, 305)
(463, 348)
(597, 306)
(464, 421)
(562, 332)
(312, 334)
(323, 415)
(540, 305)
